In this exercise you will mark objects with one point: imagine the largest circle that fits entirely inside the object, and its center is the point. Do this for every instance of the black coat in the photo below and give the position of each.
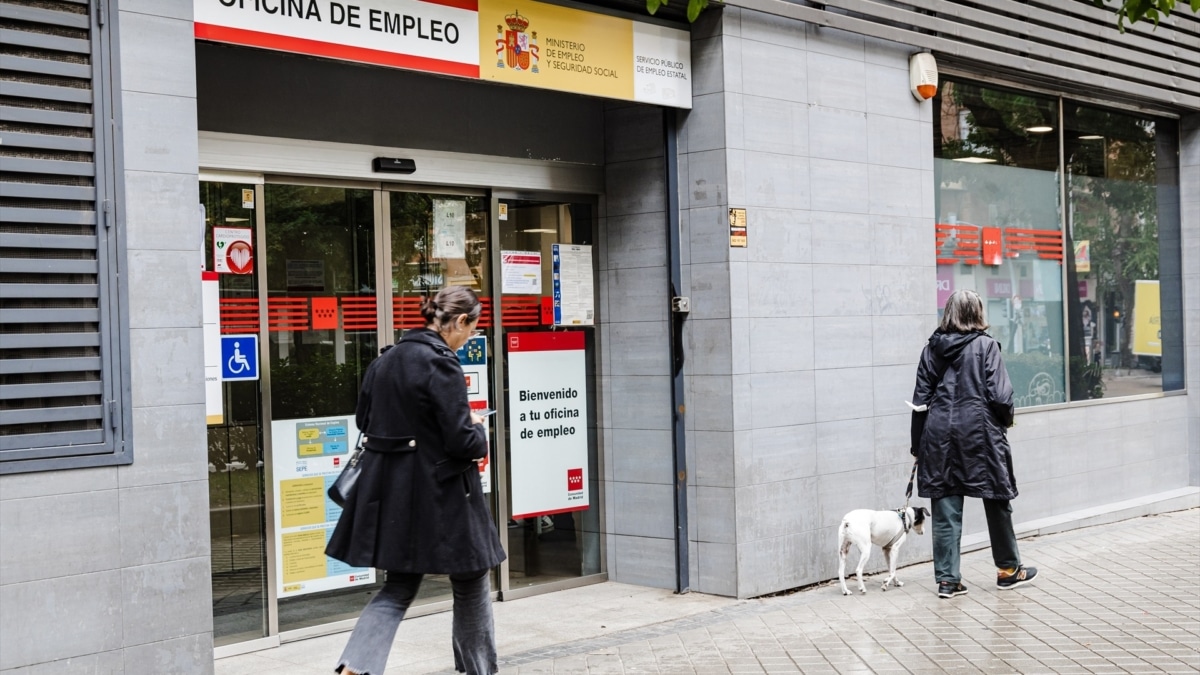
(961, 443)
(419, 506)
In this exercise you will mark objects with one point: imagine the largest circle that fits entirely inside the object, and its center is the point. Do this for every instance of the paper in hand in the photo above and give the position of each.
(917, 408)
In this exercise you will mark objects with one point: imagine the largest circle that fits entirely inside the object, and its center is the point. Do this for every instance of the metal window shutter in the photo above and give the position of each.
(57, 282)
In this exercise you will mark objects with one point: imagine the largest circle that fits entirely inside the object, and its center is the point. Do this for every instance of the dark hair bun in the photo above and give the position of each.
(429, 308)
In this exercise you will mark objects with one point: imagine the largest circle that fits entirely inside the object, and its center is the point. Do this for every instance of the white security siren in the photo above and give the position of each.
(922, 76)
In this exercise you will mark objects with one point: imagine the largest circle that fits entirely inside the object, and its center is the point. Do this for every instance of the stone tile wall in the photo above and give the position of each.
(106, 570)
(636, 437)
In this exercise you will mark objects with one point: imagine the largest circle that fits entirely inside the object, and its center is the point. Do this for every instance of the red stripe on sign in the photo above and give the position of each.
(538, 514)
(523, 259)
(545, 342)
(283, 43)
(209, 276)
(470, 5)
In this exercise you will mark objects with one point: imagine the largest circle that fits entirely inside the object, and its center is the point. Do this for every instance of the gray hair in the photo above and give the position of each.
(964, 313)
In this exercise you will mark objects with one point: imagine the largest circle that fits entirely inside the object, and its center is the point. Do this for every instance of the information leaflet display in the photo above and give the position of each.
(307, 455)
(473, 358)
(548, 421)
(574, 288)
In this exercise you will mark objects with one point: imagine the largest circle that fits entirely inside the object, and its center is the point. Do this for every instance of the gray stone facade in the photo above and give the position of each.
(106, 570)
(802, 347)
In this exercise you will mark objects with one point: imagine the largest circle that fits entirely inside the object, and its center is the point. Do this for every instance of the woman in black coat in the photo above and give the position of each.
(962, 409)
(419, 506)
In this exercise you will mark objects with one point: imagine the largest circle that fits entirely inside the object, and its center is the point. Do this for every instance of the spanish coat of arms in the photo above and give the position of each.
(515, 48)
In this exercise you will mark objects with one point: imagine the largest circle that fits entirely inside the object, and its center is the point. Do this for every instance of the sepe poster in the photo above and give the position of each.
(548, 422)
(306, 457)
(472, 356)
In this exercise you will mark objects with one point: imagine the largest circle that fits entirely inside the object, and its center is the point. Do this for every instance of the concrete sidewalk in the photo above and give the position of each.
(1118, 598)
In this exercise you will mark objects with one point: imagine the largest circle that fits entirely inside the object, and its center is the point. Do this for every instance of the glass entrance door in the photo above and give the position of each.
(553, 526)
(322, 314)
(323, 276)
(234, 415)
(434, 241)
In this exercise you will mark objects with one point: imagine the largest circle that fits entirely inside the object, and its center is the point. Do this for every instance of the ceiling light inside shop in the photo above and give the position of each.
(975, 160)
(541, 230)
(236, 220)
(1039, 130)
(1091, 138)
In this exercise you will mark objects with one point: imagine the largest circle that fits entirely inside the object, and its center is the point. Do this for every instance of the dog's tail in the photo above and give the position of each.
(841, 533)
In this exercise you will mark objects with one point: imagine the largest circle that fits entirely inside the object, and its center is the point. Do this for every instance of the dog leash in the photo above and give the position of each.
(908, 491)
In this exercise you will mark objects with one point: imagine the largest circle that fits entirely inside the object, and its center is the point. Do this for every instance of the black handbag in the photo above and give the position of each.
(342, 489)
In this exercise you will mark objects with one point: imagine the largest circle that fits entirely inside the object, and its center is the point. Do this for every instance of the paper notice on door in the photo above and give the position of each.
(521, 272)
(449, 228)
(574, 288)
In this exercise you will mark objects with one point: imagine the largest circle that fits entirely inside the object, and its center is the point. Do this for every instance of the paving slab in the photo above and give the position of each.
(1116, 598)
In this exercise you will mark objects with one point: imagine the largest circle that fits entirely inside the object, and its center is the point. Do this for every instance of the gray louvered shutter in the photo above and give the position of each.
(61, 385)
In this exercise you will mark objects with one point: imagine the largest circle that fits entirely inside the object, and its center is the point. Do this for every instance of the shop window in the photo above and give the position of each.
(1123, 219)
(1086, 311)
(64, 388)
(999, 225)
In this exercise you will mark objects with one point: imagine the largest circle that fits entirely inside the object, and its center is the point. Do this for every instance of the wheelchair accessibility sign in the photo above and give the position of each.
(239, 357)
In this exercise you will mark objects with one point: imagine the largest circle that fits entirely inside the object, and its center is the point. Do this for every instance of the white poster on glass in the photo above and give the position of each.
(306, 456)
(449, 229)
(214, 392)
(233, 252)
(574, 287)
(548, 422)
(521, 272)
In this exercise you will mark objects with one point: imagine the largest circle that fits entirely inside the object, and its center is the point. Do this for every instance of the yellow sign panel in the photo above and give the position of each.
(304, 556)
(308, 434)
(310, 449)
(1147, 319)
(552, 47)
(302, 501)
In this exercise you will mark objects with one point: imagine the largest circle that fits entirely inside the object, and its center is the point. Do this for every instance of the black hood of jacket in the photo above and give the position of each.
(948, 346)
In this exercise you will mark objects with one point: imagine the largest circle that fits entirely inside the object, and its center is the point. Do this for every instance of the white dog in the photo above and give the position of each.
(885, 529)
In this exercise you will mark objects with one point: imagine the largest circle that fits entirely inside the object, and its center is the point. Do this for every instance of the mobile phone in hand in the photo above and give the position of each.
(485, 412)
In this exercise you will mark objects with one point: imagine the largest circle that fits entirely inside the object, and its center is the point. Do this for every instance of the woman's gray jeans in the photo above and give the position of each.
(947, 536)
(474, 633)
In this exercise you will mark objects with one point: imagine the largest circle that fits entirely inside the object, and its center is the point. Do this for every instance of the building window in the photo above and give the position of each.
(1123, 227)
(63, 387)
(1085, 299)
